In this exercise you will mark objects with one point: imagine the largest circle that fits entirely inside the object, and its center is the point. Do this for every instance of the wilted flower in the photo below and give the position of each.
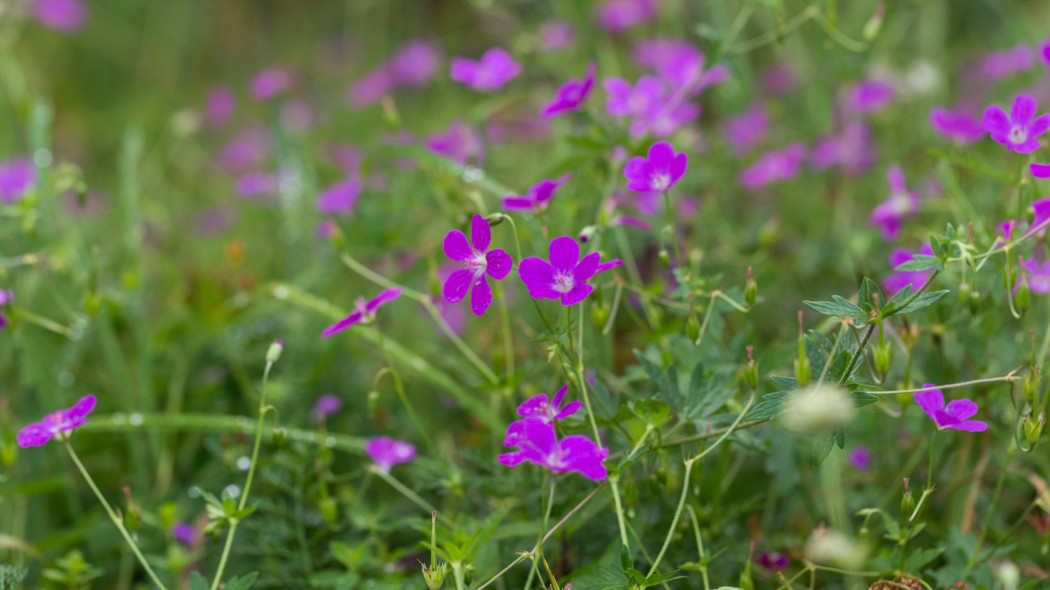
(538, 196)
(340, 198)
(565, 276)
(618, 16)
(747, 130)
(62, 15)
(834, 548)
(270, 82)
(387, 452)
(1018, 131)
(956, 415)
(219, 105)
(570, 95)
(902, 204)
(899, 278)
(657, 172)
(480, 264)
(17, 176)
(325, 406)
(956, 125)
(458, 143)
(538, 444)
(555, 35)
(538, 407)
(495, 68)
(364, 311)
(774, 166)
(60, 424)
(818, 408)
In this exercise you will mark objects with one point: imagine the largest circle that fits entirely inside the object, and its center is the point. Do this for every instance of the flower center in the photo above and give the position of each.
(900, 204)
(563, 283)
(1018, 134)
(660, 181)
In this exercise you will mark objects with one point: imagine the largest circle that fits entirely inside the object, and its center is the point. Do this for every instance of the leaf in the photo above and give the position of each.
(922, 262)
(924, 300)
(657, 579)
(870, 297)
(243, 582)
(652, 411)
(769, 407)
(197, 582)
(920, 559)
(822, 448)
(832, 308)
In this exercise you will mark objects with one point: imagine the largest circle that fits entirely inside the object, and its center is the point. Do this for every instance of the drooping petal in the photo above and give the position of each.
(962, 408)
(586, 268)
(971, 426)
(33, 435)
(480, 234)
(341, 325)
(1023, 110)
(385, 296)
(538, 276)
(498, 263)
(930, 401)
(480, 296)
(607, 265)
(457, 285)
(456, 246)
(995, 121)
(577, 294)
(569, 409)
(564, 254)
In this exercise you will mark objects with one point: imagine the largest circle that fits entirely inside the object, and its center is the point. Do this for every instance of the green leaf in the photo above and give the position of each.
(922, 262)
(869, 292)
(822, 447)
(657, 579)
(197, 582)
(923, 301)
(243, 582)
(769, 407)
(919, 559)
(834, 308)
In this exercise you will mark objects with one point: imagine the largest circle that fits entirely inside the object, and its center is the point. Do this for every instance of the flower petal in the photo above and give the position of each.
(995, 121)
(1027, 147)
(540, 436)
(962, 408)
(560, 395)
(971, 426)
(569, 409)
(583, 456)
(457, 285)
(607, 265)
(538, 276)
(1040, 126)
(661, 155)
(518, 204)
(480, 296)
(480, 234)
(512, 459)
(342, 324)
(498, 263)
(1040, 170)
(83, 407)
(533, 407)
(895, 177)
(564, 254)
(577, 294)
(678, 167)
(586, 268)
(930, 401)
(33, 435)
(456, 246)
(1023, 110)
(385, 296)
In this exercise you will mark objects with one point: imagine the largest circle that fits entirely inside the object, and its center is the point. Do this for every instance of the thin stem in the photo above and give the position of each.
(1008, 377)
(400, 388)
(699, 546)
(707, 318)
(671, 227)
(580, 375)
(674, 521)
(991, 507)
(508, 342)
(113, 517)
(859, 355)
(929, 466)
(614, 482)
(400, 487)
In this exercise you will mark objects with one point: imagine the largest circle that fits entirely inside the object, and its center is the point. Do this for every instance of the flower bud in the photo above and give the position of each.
(751, 369)
(279, 436)
(665, 258)
(1033, 427)
(751, 289)
(883, 357)
(817, 409)
(975, 301)
(907, 502)
(587, 233)
(692, 327)
(874, 24)
(435, 577)
(600, 315)
(1023, 298)
(373, 401)
(1009, 575)
(803, 372)
(1030, 384)
(329, 510)
(964, 293)
(274, 352)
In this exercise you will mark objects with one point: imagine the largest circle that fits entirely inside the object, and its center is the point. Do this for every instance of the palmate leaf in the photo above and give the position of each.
(923, 301)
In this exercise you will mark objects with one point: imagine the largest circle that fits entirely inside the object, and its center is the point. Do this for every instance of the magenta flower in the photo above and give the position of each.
(1044, 51)
(495, 68)
(869, 96)
(555, 35)
(538, 444)
(1018, 131)
(387, 452)
(258, 184)
(565, 276)
(62, 15)
(340, 198)
(631, 101)
(657, 172)
(617, 16)
(17, 176)
(774, 166)
(270, 82)
(851, 149)
(3, 321)
(997, 65)
(570, 95)
(859, 458)
(902, 204)
(774, 561)
(6, 296)
(1037, 274)
(956, 125)
(458, 143)
(245, 150)
(325, 406)
(479, 265)
(747, 130)
(899, 278)
(630, 221)
(184, 533)
(364, 311)
(680, 63)
(415, 63)
(370, 88)
(957, 414)
(538, 407)
(218, 107)
(538, 196)
(60, 424)
(1040, 170)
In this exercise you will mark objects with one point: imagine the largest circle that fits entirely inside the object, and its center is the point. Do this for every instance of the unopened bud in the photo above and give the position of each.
(1033, 427)
(329, 510)
(665, 258)
(274, 352)
(587, 233)
(975, 301)
(435, 577)
(874, 24)
(751, 289)
(692, 327)
(600, 315)
(907, 502)
(964, 293)
(279, 436)
(883, 357)
(751, 369)
(803, 373)
(1023, 298)
(1030, 385)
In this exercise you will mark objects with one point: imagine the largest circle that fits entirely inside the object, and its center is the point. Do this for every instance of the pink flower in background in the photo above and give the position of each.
(538, 407)
(747, 130)
(258, 184)
(364, 311)
(899, 278)
(538, 196)
(1037, 274)
(1006, 230)
(778, 79)
(626, 100)
(60, 424)
(387, 452)
(219, 106)
(325, 406)
(370, 87)
(997, 65)
(522, 129)
(774, 166)
(869, 96)
(6, 296)
(245, 150)
(297, 115)
(17, 176)
(657, 172)
(62, 15)
(184, 533)
(495, 68)
(859, 458)
(270, 82)
(459, 143)
(774, 561)
(340, 198)
(1020, 129)
(415, 63)
(902, 204)
(664, 120)
(571, 95)
(1044, 51)
(347, 157)
(680, 63)
(617, 16)
(955, 416)
(538, 444)
(957, 125)
(480, 262)
(851, 149)
(630, 221)
(565, 276)
(214, 221)
(555, 35)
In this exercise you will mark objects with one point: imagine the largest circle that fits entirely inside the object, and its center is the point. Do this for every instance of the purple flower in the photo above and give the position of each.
(458, 143)
(1019, 130)
(184, 533)
(680, 63)
(1037, 274)
(258, 184)
(62, 15)
(415, 63)
(657, 172)
(370, 87)
(955, 416)
(664, 120)
(387, 452)
(774, 166)
(956, 125)
(565, 276)
(218, 107)
(246, 150)
(6, 296)
(60, 424)
(347, 157)
(537, 198)
(1002, 64)
(17, 176)
(326, 405)
(451, 313)
(538, 444)
(859, 458)
(495, 68)
(1040, 170)
(850, 149)
(479, 263)
(570, 95)
(270, 82)
(869, 96)
(774, 561)
(747, 130)
(538, 407)
(778, 79)
(3, 321)
(364, 311)
(297, 115)
(340, 198)
(555, 35)
(1044, 51)
(631, 221)
(630, 101)
(617, 16)
(902, 204)
(899, 278)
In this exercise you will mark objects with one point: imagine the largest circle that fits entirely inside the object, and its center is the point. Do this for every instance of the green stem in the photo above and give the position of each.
(614, 481)
(677, 515)
(991, 507)
(859, 354)
(113, 517)
(400, 388)
(400, 487)
(671, 228)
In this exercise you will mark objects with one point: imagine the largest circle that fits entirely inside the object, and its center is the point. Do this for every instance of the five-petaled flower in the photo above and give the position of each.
(570, 95)
(956, 415)
(60, 424)
(657, 172)
(364, 311)
(537, 197)
(565, 276)
(1020, 129)
(538, 407)
(495, 68)
(901, 205)
(387, 452)
(538, 444)
(479, 265)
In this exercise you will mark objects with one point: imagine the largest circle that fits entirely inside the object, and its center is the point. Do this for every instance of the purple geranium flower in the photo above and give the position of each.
(1040, 170)
(570, 95)
(902, 204)
(899, 278)
(17, 176)
(245, 150)
(415, 63)
(258, 184)
(538, 407)
(62, 15)
(364, 311)
(538, 444)
(657, 172)
(869, 96)
(387, 452)
(218, 106)
(955, 416)
(565, 276)
(1018, 131)
(340, 198)
(774, 166)
(555, 35)
(459, 143)
(631, 101)
(680, 63)
(774, 561)
(1037, 274)
(617, 16)
(184, 533)
(325, 406)
(1002, 64)
(747, 130)
(957, 125)
(480, 265)
(270, 82)
(851, 149)
(60, 424)
(859, 458)
(538, 196)
(495, 68)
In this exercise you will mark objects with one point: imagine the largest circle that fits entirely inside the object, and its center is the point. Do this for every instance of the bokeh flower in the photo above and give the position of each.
(617, 16)
(901, 205)
(1019, 130)
(1040, 170)
(495, 68)
(387, 452)
(957, 125)
(270, 82)
(219, 106)
(66, 16)
(340, 198)
(481, 263)
(538, 407)
(459, 143)
(869, 96)
(859, 457)
(325, 406)
(774, 561)
(538, 196)
(565, 276)
(955, 416)
(570, 95)
(747, 130)
(364, 311)
(60, 424)
(774, 166)
(538, 444)
(555, 35)
(851, 149)
(657, 172)
(17, 176)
